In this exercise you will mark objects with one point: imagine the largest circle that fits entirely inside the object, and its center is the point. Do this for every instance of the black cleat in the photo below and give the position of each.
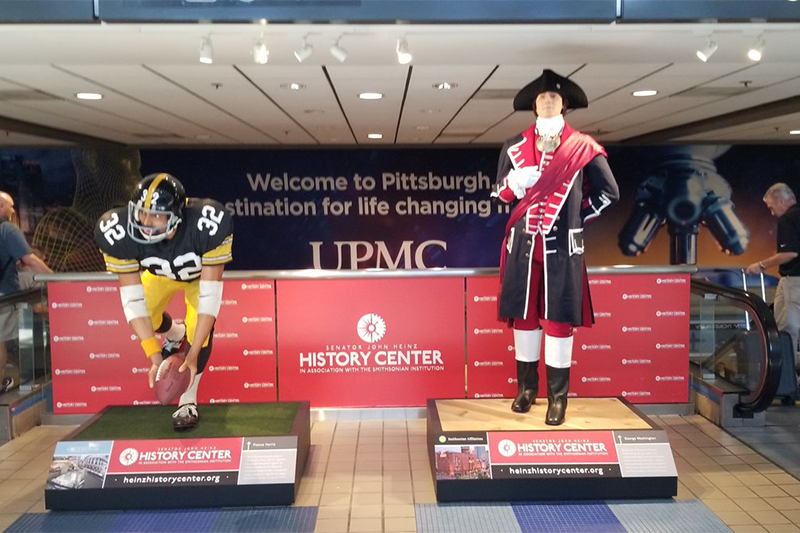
(185, 417)
(173, 347)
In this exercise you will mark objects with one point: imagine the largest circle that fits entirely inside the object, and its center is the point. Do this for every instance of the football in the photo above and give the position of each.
(170, 383)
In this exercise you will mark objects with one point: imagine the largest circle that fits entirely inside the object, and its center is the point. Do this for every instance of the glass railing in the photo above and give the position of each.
(24, 337)
(734, 337)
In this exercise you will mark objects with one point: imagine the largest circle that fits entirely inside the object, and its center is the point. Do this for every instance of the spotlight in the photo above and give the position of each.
(338, 52)
(757, 50)
(304, 53)
(403, 55)
(260, 52)
(206, 51)
(705, 53)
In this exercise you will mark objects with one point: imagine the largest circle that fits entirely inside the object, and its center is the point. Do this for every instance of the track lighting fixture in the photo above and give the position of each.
(338, 52)
(305, 52)
(260, 52)
(757, 50)
(206, 51)
(705, 53)
(403, 55)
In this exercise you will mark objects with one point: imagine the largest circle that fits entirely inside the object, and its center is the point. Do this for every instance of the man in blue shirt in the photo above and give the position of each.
(13, 248)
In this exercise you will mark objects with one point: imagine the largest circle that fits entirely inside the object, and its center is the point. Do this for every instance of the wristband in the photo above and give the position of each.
(151, 346)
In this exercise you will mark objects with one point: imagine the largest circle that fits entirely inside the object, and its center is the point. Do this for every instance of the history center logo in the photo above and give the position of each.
(371, 328)
(128, 456)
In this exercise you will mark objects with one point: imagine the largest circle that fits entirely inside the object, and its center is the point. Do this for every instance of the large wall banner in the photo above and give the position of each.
(371, 343)
(405, 208)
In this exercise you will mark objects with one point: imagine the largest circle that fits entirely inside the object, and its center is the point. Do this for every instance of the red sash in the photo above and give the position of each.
(574, 153)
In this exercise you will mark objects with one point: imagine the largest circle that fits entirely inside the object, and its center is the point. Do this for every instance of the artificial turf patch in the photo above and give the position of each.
(237, 420)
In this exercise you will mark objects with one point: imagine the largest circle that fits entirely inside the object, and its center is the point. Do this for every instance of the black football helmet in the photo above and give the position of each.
(156, 194)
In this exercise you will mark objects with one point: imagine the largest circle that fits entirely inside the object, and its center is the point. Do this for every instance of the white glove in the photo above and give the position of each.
(521, 179)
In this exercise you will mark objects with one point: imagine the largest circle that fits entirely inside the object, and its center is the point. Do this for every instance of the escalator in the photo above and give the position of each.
(737, 355)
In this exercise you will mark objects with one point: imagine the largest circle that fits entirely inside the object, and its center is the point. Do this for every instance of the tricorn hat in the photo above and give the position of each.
(549, 81)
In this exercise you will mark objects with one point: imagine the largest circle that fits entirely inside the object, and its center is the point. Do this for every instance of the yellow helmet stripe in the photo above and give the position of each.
(148, 199)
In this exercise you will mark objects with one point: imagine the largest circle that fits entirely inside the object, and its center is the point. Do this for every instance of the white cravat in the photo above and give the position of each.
(549, 127)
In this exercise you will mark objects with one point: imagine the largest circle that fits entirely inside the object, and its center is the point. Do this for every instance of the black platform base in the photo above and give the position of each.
(480, 451)
(180, 472)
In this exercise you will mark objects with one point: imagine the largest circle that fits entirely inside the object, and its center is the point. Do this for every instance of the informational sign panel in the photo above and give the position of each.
(173, 463)
(556, 454)
(638, 347)
(98, 361)
(371, 343)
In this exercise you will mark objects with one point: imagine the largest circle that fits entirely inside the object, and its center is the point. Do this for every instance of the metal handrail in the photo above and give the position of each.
(759, 399)
(26, 296)
(375, 273)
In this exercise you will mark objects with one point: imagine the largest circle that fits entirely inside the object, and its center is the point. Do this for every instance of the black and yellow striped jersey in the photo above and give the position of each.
(203, 238)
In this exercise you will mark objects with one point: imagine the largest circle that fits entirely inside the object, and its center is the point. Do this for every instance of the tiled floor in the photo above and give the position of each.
(373, 475)
(779, 439)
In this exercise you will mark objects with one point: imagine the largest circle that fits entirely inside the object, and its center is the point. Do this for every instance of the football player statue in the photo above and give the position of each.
(559, 179)
(182, 245)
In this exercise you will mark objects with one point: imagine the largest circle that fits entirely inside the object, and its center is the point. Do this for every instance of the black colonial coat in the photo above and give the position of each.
(593, 190)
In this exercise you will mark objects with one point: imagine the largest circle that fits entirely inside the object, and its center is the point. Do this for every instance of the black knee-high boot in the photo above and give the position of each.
(528, 381)
(557, 391)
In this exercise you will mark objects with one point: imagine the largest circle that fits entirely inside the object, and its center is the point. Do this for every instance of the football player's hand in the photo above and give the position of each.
(155, 360)
(190, 364)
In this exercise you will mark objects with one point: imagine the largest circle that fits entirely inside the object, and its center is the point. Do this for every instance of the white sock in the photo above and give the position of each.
(558, 351)
(190, 396)
(176, 332)
(527, 344)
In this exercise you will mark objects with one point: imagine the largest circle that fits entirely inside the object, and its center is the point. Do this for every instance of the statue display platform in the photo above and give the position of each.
(480, 450)
(130, 458)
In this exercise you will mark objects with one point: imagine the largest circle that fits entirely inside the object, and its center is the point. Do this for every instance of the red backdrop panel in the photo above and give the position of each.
(98, 361)
(638, 347)
(371, 343)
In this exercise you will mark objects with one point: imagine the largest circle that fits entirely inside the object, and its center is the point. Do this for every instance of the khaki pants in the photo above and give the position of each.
(787, 308)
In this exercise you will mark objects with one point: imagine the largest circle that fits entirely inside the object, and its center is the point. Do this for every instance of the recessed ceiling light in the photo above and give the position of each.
(794, 132)
(375, 136)
(88, 96)
(370, 96)
(422, 128)
(444, 86)
(647, 92)
(313, 111)
(293, 86)
(430, 111)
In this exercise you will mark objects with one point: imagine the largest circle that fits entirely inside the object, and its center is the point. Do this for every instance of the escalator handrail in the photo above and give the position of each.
(31, 295)
(757, 400)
